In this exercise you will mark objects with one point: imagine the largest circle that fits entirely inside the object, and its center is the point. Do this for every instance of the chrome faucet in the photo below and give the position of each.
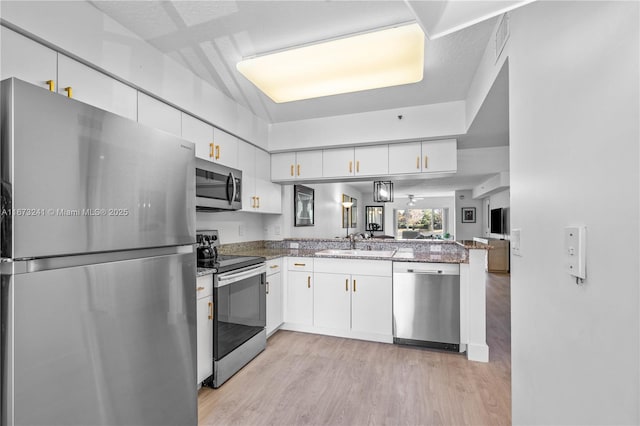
(352, 240)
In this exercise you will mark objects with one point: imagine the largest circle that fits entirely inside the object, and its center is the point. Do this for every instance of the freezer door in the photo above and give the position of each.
(81, 179)
(104, 344)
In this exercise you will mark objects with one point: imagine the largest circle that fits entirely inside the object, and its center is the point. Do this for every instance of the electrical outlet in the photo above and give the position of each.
(241, 230)
(277, 230)
(294, 245)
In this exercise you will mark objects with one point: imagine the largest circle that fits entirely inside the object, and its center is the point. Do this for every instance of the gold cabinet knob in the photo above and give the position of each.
(69, 91)
(52, 85)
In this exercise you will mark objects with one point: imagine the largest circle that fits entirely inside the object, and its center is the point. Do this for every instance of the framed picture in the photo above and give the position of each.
(354, 213)
(302, 206)
(468, 215)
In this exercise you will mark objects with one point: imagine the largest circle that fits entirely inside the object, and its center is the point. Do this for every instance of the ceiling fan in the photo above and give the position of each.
(412, 200)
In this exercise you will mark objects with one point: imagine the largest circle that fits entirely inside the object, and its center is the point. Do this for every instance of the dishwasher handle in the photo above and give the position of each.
(413, 271)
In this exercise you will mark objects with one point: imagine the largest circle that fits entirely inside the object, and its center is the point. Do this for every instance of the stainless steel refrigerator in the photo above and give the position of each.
(98, 266)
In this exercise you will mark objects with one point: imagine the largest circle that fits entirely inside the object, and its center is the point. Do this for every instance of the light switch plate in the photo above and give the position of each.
(515, 242)
(575, 250)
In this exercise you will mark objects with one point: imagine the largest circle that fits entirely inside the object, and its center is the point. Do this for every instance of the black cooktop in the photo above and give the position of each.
(226, 263)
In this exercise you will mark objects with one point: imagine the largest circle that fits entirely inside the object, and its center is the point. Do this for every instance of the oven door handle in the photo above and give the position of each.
(231, 277)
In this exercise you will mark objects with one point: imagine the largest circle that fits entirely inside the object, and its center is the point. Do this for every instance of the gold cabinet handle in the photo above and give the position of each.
(200, 288)
(299, 264)
(292, 170)
(346, 284)
(210, 310)
(309, 282)
(354, 286)
(426, 162)
(298, 169)
(418, 162)
(273, 266)
(358, 166)
(257, 202)
(350, 166)
(212, 146)
(52, 85)
(69, 91)
(217, 152)
(267, 287)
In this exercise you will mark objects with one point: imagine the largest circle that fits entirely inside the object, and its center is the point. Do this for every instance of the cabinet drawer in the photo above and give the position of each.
(300, 264)
(274, 266)
(381, 268)
(204, 286)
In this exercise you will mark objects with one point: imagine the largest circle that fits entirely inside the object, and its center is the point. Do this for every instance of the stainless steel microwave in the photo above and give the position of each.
(218, 187)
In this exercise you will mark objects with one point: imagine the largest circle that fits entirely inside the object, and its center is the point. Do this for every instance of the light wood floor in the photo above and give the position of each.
(304, 379)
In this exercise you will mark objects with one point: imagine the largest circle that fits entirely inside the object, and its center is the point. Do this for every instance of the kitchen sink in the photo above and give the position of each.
(356, 253)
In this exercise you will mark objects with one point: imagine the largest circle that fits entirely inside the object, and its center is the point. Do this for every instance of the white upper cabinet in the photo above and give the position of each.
(440, 156)
(26, 59)
(423, 157)
(405, 158)
(283, 166)
(198, 132)
(247, 163)
(225, 149)
(338, 162)
(157, 114)
(308, 164)
(258, 193)
(371, 160)
(87, 85)
(296, 165)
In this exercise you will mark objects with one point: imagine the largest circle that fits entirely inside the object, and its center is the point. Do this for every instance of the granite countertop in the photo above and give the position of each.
(477, 245)
(204, 271)
(399, 256)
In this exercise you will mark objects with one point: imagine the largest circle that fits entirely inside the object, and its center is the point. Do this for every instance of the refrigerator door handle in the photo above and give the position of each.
(45, 264)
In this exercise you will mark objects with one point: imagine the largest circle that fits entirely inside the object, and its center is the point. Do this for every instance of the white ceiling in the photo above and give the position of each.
(210, 37)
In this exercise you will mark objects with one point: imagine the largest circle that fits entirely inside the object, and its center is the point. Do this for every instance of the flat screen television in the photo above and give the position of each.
(498, 223)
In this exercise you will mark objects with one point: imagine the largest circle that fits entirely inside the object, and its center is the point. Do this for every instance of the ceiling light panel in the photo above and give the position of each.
(385, 58)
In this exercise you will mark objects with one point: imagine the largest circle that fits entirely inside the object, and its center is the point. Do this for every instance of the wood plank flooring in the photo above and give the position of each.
(307, 379)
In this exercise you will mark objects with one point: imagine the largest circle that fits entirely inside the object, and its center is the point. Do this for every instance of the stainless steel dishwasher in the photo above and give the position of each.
(426, 305)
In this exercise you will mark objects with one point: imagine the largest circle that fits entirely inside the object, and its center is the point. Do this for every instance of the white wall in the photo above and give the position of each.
(327, 209)
(574, 132)
(424, 121)
(234, 227)
(466, 231)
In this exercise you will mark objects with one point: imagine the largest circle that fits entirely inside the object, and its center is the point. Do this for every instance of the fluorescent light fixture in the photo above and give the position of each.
(384, 58)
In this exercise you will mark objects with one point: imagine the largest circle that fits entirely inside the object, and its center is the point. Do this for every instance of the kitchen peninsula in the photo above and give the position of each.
(313, 258)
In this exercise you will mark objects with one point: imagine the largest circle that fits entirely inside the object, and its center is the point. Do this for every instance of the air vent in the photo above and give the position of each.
(502, 35)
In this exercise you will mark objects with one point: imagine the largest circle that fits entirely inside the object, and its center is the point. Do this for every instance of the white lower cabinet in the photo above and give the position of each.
(274, 295)
(204, 327)
(332, 301)
(349, 298)
(299, 291)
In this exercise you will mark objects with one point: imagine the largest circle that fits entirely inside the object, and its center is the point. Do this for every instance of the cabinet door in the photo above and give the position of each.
(204, 326)
(332, 301)
(372, 160)
(371, 305)
(247, 163)
(200, 133)
(157, 114)
(308, 164)
(440, 156)
(274, 302)
(97, 89)
(268, 197)
(405, 158)
(300, 298)
(337, 162)
(226, 148)
(283, 166)
(26, 59)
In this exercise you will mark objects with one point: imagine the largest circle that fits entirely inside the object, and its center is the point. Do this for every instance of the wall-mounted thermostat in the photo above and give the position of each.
(575, 244)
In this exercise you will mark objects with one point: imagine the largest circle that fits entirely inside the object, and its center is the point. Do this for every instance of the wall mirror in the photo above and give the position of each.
(374, 218)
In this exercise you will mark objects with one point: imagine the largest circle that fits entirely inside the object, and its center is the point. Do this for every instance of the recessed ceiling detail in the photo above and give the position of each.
(384, 58)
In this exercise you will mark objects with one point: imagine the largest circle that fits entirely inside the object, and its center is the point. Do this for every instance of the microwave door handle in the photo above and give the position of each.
(231, 196)
(235, 189)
